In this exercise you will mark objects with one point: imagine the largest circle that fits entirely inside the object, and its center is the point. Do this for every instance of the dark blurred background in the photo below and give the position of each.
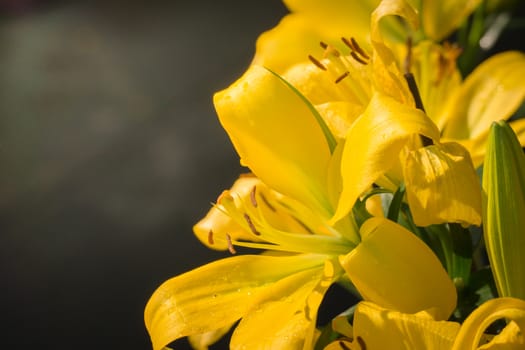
(110, 151)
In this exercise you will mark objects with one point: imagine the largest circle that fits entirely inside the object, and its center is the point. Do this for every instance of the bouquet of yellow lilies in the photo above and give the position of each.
(381, 157)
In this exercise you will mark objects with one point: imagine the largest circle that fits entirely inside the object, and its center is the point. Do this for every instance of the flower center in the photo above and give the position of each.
(281, 224)
(349, 72)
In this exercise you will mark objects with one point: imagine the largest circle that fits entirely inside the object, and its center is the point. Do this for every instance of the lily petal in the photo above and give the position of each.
(441, 18)
(298, 34)
(314, 83)
(379, 328)
(373, 144)
(215, 295)
(442, 185)
(477, 322)
(394, 269)
(213, 228)
(285, 313)
(492, 92)
(477, 146)
(437, 76)
(387, 76)
(339, 116)
(510, 338)
(276, 135)
(202, 341)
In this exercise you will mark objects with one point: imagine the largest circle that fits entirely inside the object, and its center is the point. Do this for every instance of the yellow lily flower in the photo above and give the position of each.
(464, 110)
(310, 22)
(277, 296)
(381, 140)
(461, 109)
(286, 211)
(377, 328)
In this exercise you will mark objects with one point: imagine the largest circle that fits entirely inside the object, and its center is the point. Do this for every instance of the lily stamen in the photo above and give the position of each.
(357, 58)
(251, 225)
(343, 346)
(356, 51)
(252, 197)
(361, 343)
(316, 62)
(230, 245)
(341, 77)
(359, 49)
(210, 237)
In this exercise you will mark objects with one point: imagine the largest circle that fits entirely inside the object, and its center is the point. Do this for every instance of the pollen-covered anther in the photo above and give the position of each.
(341, 77)
(361, 343)
(252, 226)
(359, 49)
(343, 346)
(357, 58)
(316, 62)
(210, 237)
(356, 51)
(252, 196)
(230, 244)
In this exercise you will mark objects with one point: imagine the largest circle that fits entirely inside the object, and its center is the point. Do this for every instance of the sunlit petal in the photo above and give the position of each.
(437, 76)
(298, 35)
(441, 18)
(339, 116)
(215, 295)
(493, 91)
(213, 228)
(387, 76)
(379, 329)
(314, 83)
(285, 313)
(396, 270)
(202, 341)
(510, 338)
(442, 185)
(276, 135)
(373, 145)
(477, 322)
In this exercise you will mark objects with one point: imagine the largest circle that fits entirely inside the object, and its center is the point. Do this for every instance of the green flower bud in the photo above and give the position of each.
(504, 210)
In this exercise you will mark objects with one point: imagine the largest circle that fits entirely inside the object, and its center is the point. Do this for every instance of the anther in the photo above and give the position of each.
(348, 43)
(341, 77)
(252, 196)
(361, 343)
(359, 49)
(316, 62)
(230, 245)
(357, 58)
(252, 226)
(343, 346)
(323, 45)
(210, 237)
